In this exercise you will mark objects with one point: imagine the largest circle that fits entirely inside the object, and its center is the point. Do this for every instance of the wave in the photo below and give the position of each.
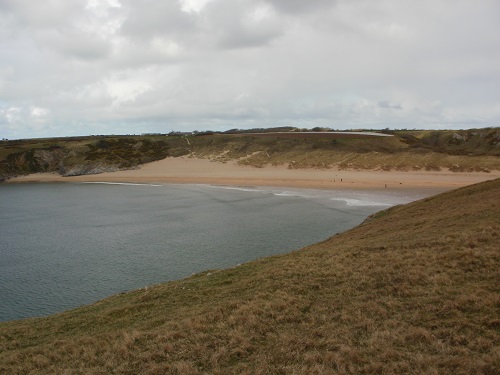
(119, 183)
(361, 203)
(359, 200)
(294, 194)
(352, 199)
(246, 189)
(277, 192)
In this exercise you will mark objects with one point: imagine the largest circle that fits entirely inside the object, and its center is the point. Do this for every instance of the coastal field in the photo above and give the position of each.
(412, 290)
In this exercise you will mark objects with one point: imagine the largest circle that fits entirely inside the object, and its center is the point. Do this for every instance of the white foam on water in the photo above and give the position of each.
(277, 192)
(349, 198)
(361, 203)
(293, 194)
(119, 183)
(355, 200)
(238, 188)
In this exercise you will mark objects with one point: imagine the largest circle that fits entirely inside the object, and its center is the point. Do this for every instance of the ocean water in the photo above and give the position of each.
(63, 245)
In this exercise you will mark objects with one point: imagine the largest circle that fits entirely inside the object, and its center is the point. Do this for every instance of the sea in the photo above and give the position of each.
(63, 245)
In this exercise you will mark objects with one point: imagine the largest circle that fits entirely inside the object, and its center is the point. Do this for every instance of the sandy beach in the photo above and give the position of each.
(203, 171)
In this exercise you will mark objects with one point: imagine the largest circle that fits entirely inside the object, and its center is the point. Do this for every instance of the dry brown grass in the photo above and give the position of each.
(414, 290)
(312, 150)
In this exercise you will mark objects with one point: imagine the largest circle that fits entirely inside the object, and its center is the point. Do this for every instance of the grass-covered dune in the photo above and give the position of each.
(415, 289)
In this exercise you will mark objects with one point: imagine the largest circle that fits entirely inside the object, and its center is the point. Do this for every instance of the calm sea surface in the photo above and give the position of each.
(65, 245)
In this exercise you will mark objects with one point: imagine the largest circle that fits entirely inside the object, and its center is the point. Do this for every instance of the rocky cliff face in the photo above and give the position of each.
(103, 155)
(82, 169)
(49, 160)
(33, 161)
(60, 161)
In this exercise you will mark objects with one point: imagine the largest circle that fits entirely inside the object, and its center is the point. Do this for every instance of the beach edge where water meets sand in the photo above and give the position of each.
(185, 170)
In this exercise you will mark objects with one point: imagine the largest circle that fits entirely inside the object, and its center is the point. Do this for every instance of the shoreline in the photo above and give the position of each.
(185, 170)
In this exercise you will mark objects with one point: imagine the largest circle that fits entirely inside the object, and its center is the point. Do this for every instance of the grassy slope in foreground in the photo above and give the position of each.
(415, 290)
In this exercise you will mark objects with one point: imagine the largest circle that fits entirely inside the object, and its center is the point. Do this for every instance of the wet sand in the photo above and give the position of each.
(203, 171)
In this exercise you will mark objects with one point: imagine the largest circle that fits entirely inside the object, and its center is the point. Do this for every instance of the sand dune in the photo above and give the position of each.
(204, 171)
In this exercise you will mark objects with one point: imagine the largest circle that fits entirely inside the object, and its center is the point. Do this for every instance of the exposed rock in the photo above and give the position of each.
(458, 137)
(84, 169)
(49, 160)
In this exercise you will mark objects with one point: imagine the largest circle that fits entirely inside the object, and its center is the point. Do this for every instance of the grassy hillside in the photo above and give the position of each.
(471, 150)
(415, 289)
(459, 151)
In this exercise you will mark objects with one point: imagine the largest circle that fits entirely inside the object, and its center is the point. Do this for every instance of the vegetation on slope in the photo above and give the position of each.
(412, 290)
(472, 150)
(460, 151)
(84, 155)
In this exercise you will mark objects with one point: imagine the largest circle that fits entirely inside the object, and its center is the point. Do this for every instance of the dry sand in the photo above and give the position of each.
(204, 171)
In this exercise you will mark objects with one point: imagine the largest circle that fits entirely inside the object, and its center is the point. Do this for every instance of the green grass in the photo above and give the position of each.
(413, 290)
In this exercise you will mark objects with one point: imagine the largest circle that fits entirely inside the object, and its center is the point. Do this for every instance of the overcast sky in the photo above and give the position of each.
(80, 67)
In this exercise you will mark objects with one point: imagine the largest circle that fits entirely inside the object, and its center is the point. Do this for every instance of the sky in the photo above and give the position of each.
(82, 67)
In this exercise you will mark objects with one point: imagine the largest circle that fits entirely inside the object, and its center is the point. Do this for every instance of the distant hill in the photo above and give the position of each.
(459, 151)
(413, 290)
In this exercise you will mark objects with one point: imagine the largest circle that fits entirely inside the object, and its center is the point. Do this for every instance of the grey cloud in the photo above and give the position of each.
(301, 6)
(238, 24)
(59, 25)
(78, 45)
(226, 24)
(151, 18)
(246, 63)
(244, 38)
(389, 105)
(41, 14)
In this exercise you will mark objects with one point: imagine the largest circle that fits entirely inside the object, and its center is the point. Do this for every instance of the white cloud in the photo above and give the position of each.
(193, 6)
(125, 90)
(12, 114)
(39, 113)
(246, 63)
(165, 47)
(33, 121)
(102, 7)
